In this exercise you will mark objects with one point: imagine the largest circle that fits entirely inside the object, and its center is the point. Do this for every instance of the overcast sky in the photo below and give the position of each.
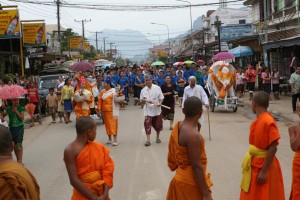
(178, 20)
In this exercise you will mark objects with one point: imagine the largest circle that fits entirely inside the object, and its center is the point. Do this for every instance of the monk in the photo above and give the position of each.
(187, 156)
(88, 163)
(294, 132)
(110, 110)
(262, 177)
(16, 182)
(83, 98)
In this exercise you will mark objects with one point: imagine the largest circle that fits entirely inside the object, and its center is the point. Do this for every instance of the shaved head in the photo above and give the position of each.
(261, 99)
(192, 106)
(5, 141)
(83, 124)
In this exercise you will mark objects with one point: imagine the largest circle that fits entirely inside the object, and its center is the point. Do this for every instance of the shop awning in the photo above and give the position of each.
(283, 43)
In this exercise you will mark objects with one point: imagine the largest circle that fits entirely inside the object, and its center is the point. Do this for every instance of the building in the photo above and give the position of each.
(163, 50)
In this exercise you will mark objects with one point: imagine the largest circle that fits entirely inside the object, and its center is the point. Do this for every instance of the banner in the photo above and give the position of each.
(86, 46)
(34, 35)
(77, 57)
(9, 24)
(99, 56)
(233, 32)
(76, 43)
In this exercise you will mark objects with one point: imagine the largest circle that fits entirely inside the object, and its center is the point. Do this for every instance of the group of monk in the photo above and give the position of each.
(91, 168)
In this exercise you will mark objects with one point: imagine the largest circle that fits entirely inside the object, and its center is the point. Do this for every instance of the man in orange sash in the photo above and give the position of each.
(83, 99)
(294, 132)
(16, 182)
(88, 163)
(187, 156)
(262, 177)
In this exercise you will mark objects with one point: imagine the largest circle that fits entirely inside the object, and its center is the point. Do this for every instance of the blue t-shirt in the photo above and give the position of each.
(202, 79)
(174, 80)
(115, 79)
(154, 78)
(124, 81)
(139, 80)
(186, 75)
(160, 81)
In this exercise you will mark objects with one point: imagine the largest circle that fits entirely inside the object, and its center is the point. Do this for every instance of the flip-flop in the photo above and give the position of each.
(108, 142)
(158, 140)
(115, 144)
(147, 144)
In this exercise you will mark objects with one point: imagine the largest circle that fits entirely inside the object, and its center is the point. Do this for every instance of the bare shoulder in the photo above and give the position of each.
(190, 135)
(72, 150)
(293, 128)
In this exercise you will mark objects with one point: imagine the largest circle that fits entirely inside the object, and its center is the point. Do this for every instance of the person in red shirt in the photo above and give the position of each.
(250, 77)
(33, 96)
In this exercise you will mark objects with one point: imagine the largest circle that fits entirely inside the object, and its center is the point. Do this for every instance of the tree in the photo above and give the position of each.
(64, 39)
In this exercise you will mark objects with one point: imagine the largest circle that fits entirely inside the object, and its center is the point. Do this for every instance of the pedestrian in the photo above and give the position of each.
(83, 99)
(203, 81)
(261, 168)
(169, 100)
(180, 87)
(161, 78)
(52, 102)
(294, 61)
(240, 88)
(139, 84)
(88, 163)
(110, 110)
(2, 120)
(15, 114)
(198, 76)
(188, 157)
(250, 77)
(197, 91)
(295, 86)
(266, 77)
(152, 97)
(67, 94)
(60, 108)
(294, 132)
(275, 83)
(124, 83)
(33, 97)
(16, 182)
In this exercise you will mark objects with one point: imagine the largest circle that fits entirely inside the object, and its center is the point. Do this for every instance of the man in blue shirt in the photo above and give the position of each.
(161, 79)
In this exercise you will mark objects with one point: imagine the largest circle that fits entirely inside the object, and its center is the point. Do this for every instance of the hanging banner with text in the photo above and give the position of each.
(34, 35)
(86, 46)
(76, 43)
(9, 24)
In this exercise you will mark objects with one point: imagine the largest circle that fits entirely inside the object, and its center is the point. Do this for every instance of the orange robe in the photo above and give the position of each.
(16, 182)
(263, 132)
(106, 107)
(95, 168)
(295, 193)
(82, 109)
(183, 185)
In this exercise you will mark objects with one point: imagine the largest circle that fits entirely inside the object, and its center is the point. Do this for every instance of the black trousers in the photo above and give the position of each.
(294, 100)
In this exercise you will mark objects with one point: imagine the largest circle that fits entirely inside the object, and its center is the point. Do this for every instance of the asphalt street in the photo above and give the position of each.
(141, 173)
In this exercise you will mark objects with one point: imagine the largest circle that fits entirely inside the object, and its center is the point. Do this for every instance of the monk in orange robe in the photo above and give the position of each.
(83, 98)
(16, 182)
(187, 156)
(294, 132)
(109, 110)
(262, 177)
(88, 163)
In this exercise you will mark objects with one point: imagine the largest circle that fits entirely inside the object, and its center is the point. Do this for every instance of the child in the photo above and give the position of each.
(60, 108)
(52, 104)
(2, 121)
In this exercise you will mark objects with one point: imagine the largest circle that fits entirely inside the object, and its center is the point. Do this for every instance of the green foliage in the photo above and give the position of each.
(64, 38)
(163, 58)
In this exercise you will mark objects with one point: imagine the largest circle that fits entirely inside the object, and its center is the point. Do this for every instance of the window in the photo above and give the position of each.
(242, 21)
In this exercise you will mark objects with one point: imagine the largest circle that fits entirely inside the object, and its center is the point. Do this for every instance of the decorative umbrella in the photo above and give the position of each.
(178, 63)
(200, 61)
(188, 62)
(82, 66)
(158, 63)
(12, 92)
(241, 51)
(222, 56)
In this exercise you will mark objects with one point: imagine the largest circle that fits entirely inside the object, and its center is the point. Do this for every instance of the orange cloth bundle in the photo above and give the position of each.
(30, 109)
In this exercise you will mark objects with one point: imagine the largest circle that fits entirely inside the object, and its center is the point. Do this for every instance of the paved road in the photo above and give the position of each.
(141, 173)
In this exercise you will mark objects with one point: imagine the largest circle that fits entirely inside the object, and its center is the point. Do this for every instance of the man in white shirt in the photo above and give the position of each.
(152, 96)
(197, 91)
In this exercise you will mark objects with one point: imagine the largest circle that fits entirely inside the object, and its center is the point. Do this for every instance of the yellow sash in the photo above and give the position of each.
(246, 165)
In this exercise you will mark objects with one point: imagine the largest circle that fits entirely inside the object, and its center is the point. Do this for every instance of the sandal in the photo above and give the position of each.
(108, 142)
(158, 140)
(115, 144)
(147, 144)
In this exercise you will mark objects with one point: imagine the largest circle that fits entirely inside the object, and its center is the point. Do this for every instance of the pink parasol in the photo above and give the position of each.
(223, 56)
(200, 61)
(82, 67)
(12, 92)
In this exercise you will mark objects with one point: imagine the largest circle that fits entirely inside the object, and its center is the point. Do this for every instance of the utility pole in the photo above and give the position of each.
(58, 23)
(266, 33)
(97, 39)
(218, 25)
(111, 43)
(82, 23)
(104, 44)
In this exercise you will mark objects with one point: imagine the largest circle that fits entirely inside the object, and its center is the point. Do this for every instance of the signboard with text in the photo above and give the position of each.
(86, 46)
(34, 35)
(80, 57)
(9, 24)
(228, 33)
(76, 43)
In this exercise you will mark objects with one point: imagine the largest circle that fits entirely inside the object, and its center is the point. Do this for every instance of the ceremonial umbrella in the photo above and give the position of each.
(188, 62)
(158, 63)
(82, 66)
(178, 63)
(12, 92)
(222, 56)
(200, 61)
(241, 51)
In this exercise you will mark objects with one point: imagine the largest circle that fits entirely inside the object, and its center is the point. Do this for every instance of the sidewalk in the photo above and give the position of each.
(281, 108)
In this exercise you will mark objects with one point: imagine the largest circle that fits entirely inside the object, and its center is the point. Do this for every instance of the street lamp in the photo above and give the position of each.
(168, 38)
(191, 19)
